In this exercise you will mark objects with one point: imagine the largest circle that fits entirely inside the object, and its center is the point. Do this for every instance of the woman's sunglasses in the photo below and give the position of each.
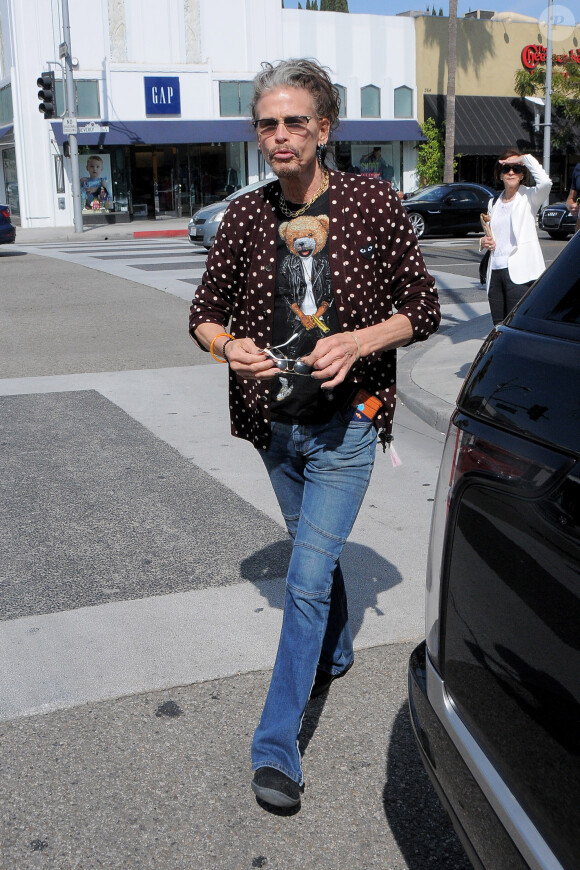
(518, 168)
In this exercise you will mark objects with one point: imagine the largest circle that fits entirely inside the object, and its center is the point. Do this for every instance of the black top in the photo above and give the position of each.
(304, 312)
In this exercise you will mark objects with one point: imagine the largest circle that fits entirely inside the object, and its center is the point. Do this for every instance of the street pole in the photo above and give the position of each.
(548, 96)
(70, 120)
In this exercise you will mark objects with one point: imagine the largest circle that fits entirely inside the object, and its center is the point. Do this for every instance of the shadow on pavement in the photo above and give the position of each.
(366, 575)
(420, 825)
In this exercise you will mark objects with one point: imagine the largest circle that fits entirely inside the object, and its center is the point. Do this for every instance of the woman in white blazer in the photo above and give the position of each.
(516, 257)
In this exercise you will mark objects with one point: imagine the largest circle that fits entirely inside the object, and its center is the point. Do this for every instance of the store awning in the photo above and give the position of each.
(378, 131)
(486, 125)
(223, 130)
(160, 132)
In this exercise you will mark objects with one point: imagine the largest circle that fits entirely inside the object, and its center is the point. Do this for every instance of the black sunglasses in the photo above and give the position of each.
(518, 168)
(293, 123)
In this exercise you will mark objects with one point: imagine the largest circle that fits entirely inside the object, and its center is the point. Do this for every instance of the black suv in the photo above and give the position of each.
(495, 688)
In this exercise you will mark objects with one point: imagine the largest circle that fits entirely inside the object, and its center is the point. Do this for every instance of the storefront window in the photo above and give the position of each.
(216, 170)
(370, 102)
(59, 173)
(180, 179)
(86, 98)
(403, 102)
(342, 92)
(379, 159)
(6, 113)
(104, 181)
(11, 183)
(235, 99)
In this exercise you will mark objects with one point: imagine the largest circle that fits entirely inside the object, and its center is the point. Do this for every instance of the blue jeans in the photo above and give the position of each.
(320, 474)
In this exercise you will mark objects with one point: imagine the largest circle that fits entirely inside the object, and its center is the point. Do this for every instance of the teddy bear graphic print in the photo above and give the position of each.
(304, 312)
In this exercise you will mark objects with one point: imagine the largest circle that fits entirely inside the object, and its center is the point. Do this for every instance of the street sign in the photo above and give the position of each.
(91, 127)
(69, 126)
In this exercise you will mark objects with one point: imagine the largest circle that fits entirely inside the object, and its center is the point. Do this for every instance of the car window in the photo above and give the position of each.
(463, 197)
(553, 305)
(429, 194)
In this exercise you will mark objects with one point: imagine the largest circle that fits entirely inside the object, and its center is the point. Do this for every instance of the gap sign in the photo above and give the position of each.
(162, 95)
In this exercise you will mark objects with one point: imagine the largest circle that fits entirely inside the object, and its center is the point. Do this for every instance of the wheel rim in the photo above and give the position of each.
(418, 224)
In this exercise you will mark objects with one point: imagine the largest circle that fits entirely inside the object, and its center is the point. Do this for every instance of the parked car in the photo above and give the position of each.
(448, 208)
(495, 688)
(558, 222)
(204, 223)
(7, 228)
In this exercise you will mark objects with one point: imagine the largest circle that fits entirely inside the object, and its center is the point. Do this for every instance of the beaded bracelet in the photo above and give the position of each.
(225, 344)
(219, 335)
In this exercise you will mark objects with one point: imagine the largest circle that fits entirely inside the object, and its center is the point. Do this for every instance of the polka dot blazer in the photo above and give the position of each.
(377, 270)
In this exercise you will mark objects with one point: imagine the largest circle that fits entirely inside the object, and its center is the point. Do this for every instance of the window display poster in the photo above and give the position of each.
(95, 174)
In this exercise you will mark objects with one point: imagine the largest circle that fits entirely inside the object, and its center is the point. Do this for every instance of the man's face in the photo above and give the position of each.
(94, 168)
(290, 154)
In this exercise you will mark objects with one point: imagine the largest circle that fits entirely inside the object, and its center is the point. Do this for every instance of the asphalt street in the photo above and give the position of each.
(141, 581)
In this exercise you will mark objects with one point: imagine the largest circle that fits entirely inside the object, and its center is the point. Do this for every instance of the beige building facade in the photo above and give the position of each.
(489, 115)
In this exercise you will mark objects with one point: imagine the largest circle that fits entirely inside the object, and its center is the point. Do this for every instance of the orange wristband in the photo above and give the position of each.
(219, 335)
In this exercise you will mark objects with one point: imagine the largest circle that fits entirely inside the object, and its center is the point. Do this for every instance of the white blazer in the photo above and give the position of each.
(525, 261)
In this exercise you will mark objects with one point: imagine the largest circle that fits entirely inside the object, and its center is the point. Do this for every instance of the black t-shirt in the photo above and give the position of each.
(304, 312)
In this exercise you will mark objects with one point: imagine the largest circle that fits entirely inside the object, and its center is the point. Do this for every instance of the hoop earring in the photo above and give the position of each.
(321, 153)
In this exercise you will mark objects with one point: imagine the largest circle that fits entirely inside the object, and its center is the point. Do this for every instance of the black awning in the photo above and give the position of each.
(487, 125)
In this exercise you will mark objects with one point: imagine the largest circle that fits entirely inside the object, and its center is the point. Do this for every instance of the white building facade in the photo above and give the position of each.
(162, 93)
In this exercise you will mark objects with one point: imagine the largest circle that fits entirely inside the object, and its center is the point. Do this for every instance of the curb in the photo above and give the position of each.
(59, 235)
(431, 408)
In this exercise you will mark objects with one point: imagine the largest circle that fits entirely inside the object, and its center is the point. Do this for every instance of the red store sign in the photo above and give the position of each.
(532, 55)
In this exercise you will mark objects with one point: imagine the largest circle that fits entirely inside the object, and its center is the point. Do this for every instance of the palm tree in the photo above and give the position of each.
(450, 111)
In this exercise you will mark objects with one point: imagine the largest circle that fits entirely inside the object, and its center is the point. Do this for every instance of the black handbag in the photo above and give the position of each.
(483, 267)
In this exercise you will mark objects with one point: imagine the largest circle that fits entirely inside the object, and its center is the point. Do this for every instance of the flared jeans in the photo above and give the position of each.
(320, 474)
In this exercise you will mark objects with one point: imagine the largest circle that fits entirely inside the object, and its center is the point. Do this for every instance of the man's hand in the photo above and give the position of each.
(248, 361)
(572, 205)
(332, 359)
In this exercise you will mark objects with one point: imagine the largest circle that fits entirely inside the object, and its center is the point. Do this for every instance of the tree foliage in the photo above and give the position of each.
(431, 154)
(334, 5)
(565, 100)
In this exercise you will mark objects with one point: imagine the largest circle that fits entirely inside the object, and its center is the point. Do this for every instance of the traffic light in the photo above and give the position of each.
(46, 94)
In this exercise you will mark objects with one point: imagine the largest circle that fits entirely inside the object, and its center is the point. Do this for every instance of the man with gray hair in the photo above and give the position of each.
(312, 283)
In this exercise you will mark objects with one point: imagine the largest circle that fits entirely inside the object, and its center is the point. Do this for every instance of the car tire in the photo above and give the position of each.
(560, 237)
(418, 223)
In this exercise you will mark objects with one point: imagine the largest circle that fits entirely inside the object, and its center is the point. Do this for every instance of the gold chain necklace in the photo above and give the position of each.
(293, 214)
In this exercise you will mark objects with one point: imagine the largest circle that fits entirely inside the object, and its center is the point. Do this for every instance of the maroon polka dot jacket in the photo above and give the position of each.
(377, 270)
